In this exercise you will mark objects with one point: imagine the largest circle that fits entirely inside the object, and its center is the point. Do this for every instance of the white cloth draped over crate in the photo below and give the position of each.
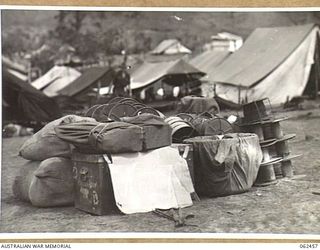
(157, 179)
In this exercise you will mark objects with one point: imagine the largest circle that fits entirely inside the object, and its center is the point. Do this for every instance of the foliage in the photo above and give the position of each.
(95, 34)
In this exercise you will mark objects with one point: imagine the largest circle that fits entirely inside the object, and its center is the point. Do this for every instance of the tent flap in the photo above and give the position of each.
(263, 51)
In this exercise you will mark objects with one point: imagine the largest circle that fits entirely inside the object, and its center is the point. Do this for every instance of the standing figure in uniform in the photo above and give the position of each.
(121, 83)
(122, 80)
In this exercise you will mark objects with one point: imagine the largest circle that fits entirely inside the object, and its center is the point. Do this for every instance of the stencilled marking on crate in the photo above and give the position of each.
(95, 198)
(85, 192)
(92, 183)
(75, 172)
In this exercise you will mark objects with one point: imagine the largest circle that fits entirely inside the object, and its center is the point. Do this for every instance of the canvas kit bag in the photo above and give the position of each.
(45, 143)
(45, 184)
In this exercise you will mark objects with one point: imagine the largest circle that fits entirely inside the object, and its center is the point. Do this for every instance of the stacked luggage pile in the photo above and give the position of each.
(108, 138)
(124, 155)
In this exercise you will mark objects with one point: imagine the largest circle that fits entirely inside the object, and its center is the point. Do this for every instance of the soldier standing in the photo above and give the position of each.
(121, 82)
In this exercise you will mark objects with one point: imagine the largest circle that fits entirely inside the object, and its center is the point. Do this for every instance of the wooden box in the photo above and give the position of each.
(93, 186)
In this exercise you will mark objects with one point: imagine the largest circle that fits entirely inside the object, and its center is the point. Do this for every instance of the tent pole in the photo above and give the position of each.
(239, 94)
(317, 69)
(317, 81)
(98, 92)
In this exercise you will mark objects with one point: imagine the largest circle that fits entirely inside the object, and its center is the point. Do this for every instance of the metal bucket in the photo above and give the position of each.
(180, 129)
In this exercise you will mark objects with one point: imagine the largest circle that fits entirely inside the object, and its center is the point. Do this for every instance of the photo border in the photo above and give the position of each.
(165, 5)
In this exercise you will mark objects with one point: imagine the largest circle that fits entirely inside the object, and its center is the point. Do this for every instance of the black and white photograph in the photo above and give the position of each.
(161, 121)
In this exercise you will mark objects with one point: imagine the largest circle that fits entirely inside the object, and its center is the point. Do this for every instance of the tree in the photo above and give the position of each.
(69, 25)
(142, 43)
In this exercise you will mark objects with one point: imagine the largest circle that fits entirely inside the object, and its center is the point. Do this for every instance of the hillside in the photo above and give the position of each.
(192, 28)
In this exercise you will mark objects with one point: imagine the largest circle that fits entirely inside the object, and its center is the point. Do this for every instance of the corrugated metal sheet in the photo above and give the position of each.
(209, 60)
(87, 79)
(264, 50)
(150, 72)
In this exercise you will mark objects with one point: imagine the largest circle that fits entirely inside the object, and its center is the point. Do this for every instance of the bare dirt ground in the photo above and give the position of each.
(289, 206)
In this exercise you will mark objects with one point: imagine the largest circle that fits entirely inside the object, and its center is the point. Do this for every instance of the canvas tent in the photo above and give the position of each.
(209, 60)
(55, 79)
(150, 72)
(170, 46)
(16, 69)
(165, 79)
(23, 103)
(90, 78)
(61, 82)
(273, 62)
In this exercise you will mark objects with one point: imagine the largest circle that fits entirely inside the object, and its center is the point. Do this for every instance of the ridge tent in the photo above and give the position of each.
(90, 78)
(151, 77)
(273, 62)
(58, 77)
(150, 72)
(59, 83)
(170, 46)
(16, 69)
(209, 60)
(23, 103)
(13, 65)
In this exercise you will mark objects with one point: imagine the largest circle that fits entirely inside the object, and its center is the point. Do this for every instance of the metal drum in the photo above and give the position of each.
(147, 110)
(186, 117)
(180, 129)
(212, 126)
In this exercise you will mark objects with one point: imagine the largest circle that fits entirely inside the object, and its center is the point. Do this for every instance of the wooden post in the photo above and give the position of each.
(239, 94)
